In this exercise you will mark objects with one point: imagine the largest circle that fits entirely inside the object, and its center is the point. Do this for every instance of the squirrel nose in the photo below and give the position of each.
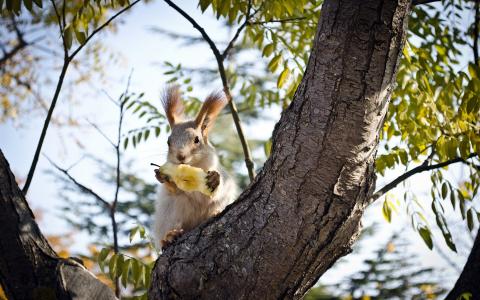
(180, 157)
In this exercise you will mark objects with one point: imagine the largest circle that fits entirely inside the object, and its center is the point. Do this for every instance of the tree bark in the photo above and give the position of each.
(468, 282)
(29, 267)
(303, 210)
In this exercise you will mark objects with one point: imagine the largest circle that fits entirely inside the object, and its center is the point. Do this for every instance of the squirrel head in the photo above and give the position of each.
(188, 142)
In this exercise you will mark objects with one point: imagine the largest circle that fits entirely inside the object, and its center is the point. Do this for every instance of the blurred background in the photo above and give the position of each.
(416, 237)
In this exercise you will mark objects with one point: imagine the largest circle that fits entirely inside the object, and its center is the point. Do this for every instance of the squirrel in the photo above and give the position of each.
(177, 211)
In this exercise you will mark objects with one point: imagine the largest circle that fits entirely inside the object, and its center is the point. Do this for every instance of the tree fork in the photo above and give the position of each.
(303, 210)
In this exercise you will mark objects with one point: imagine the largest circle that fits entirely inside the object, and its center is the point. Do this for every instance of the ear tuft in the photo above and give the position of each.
(172, 104)
(211, 108)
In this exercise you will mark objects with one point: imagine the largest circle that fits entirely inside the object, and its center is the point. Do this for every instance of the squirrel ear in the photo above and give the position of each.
(212, 106)
(172, 104)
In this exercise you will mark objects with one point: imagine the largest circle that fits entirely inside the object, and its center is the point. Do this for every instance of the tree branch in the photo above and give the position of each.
(21, 43)
(82, 187)
(101, 133)
(239, 30)
(221, 69)
(66, 62)
(117, 187)
(422, 168)
(318, 178)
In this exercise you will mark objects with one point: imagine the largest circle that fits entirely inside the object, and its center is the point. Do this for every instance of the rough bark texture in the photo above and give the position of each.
(468, 282)
(303, 210)
(29, 267)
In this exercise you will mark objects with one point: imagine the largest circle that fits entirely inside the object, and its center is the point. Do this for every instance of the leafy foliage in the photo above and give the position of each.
(131, 271)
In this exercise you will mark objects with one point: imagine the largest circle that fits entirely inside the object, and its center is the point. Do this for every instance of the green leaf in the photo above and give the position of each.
(157, 131)
(112, 266)
(28, 4)
(474, 70)
(81, 37)
(274, 63)
(38, 3)
(136, 271)
(103, 254)
(120, 262)
(426, 236)
(387, 211)
(141, 230)
(470, 223)
(125, 143)
(465, 296)
(132, 234)
(442, 224)
(444, 190)
(283, 77)
(146, 135)
(125, 270)
(268, 50)
(68, 36)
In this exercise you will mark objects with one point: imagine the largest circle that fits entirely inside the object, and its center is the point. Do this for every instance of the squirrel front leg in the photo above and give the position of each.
(165, 180)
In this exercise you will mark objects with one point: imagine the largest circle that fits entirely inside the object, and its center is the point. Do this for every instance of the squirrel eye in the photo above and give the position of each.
(197, 140)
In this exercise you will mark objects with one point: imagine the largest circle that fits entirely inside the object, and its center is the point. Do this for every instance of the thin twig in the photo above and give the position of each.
(101, 132)
(117, 188)
(422, 168)
(66, 62)
(79, 185)
(21, 43)
(239, 30)
(61, 28)
(221, 69)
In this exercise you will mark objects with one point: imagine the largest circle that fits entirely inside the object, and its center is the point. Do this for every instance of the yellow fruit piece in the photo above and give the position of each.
(187, 178)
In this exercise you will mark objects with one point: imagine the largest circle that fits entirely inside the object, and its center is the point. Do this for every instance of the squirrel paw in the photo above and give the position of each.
(213, 180)
(160, 176)
(170, 237)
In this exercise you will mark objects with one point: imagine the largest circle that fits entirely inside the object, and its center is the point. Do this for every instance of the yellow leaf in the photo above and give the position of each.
(283, 77)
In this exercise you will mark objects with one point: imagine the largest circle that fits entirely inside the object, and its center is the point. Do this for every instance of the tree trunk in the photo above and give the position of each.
(303, 210)
(468, 282)
(29, 268)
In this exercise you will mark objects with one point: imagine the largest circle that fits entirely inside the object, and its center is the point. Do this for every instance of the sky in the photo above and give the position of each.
(142, 53)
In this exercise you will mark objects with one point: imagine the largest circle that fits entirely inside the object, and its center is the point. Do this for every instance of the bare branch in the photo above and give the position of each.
(239, 30)
(66, 62)
(422, 168)
(101, 132)
(61, 27)
(21, 43)
(79, 185)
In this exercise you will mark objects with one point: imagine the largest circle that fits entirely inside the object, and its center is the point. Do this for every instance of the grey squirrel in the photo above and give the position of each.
(177, 211)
